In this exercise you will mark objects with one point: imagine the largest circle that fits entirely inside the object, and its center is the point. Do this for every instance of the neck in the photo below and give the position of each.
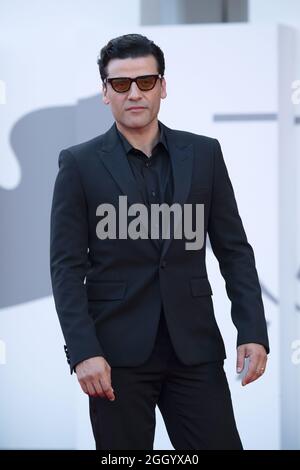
(142, 138)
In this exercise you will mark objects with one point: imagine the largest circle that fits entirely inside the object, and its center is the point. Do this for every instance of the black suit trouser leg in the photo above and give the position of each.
(194, 401)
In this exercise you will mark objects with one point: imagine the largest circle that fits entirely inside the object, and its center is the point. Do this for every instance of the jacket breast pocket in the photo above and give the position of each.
(200, 286)
(106, 290)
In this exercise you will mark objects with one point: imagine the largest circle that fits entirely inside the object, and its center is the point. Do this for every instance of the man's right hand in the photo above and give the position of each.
(94, 376)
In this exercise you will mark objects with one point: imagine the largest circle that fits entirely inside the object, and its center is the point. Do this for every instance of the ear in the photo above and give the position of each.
(105, 98)
(163, 89)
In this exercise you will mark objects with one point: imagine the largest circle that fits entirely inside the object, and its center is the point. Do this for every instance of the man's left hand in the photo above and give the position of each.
(257, 361)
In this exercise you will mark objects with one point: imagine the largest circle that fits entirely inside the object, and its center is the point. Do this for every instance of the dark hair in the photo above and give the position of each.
(129, 45)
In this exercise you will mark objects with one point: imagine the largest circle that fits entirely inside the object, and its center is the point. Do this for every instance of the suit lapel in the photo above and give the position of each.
(182, 157)
(114, 159)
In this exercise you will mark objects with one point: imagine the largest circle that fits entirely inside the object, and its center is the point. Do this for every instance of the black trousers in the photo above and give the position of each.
(194, 401)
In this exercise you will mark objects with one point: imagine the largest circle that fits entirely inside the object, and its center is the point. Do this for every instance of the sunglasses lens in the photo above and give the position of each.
(147, 83)
(120, 84)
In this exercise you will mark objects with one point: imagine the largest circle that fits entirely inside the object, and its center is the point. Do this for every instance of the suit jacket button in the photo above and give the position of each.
(163, 264)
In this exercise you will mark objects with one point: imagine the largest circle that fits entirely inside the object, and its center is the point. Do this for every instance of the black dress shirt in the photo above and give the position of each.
(152, 174)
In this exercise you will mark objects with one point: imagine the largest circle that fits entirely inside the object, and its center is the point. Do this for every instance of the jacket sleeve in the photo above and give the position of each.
(69, 262)
(236, 258)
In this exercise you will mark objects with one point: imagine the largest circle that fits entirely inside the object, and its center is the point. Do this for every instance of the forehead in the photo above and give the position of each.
(132, 67)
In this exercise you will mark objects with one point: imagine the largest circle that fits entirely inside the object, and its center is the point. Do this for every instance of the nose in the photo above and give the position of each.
(134, 91)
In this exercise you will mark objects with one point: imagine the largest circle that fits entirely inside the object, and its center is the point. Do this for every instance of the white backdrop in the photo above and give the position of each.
(222, 81)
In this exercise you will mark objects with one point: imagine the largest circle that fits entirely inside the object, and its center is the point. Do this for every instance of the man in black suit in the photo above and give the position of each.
(136, 308)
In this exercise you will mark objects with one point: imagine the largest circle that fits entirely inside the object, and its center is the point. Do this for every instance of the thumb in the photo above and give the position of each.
(240, 360)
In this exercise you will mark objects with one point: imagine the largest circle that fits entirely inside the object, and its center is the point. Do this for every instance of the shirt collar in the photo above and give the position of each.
(127, 146)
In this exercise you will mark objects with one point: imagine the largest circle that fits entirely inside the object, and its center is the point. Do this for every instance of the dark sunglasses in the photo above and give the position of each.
(123, 84)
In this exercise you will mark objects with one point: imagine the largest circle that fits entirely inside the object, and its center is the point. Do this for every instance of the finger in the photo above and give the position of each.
(257, 368)
(240, 360)
(106, 386)
(91, 390)
(252, 373)
(110, 391)
(98, 389)
(261, 367)
(84, 387)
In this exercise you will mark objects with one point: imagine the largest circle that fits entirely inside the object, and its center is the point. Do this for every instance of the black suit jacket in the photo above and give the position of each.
(109, 293)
